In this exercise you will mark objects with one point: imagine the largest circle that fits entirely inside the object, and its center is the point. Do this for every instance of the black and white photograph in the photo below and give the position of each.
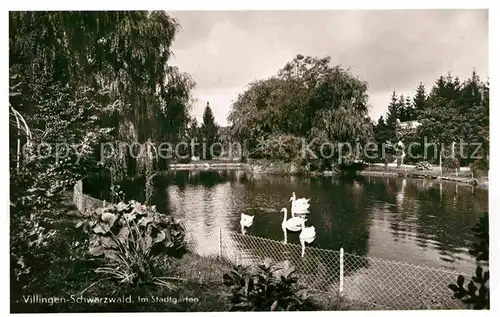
(201, 160)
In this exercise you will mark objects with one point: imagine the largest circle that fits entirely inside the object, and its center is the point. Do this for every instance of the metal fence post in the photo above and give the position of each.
(441, 163)
(341, 278)
(220, 243)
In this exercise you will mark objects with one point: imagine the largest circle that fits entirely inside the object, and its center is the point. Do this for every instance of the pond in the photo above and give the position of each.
(418, 221)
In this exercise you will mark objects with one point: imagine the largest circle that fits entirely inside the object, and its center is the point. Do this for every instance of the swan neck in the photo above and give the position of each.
(284, 215)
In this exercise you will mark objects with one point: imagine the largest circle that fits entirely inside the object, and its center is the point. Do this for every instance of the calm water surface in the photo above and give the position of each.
(413, 220)
(418, 221)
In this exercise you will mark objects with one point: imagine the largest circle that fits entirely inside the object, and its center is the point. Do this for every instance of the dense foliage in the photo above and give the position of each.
(270, 288)
(112, 62)
(308, 100)
(125, 53)
(453, 111)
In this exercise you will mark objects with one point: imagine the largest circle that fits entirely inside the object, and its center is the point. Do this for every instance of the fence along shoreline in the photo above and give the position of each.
(346, 275)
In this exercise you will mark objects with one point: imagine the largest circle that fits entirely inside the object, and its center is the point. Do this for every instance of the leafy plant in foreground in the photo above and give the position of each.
(476, 294)
(270, 288)
(134, 241)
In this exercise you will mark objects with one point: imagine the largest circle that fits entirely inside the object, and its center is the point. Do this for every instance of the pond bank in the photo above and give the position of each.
(207, 166)
(481, 182)
(273, 168)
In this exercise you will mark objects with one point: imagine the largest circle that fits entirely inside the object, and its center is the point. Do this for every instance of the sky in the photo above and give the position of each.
(224, 51)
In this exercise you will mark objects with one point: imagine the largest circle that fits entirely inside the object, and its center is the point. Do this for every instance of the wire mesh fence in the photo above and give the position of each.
(381, 284)
(398, 285)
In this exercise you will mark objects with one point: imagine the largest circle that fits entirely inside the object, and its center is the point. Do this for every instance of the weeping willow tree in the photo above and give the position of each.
(307, 100)
(119, 58)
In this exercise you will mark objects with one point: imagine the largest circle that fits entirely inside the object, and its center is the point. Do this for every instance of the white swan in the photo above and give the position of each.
(307, 235)
(245, 221)
(292, 224)
(299, 206)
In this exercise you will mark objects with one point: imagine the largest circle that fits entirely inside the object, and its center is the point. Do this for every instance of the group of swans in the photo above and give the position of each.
(296, 223)
(299, 207)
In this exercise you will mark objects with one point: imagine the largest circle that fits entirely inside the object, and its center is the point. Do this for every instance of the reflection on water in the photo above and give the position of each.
(419, 221)
(412, 220)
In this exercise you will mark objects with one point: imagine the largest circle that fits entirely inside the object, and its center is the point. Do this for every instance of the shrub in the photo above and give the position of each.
(30, 224)
(480, 167)
(33, 236)
(477, 294)
(185, 160)
(423, 165)
(451, 164)
(271, 288)
(134, 242)
(116, 193)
